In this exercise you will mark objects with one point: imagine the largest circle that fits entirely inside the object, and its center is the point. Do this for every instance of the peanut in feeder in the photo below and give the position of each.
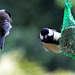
(67, 40)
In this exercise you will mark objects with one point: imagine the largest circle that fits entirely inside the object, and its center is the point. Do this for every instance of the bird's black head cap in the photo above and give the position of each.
(44, 31)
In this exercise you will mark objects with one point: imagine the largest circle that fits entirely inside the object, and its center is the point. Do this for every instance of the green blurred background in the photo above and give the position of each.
(23, 44)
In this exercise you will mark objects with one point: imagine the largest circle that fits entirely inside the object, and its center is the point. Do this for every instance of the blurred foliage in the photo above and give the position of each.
(13, 63)
(29, 17)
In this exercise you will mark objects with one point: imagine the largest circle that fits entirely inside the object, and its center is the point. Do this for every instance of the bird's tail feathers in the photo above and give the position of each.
(2, 39)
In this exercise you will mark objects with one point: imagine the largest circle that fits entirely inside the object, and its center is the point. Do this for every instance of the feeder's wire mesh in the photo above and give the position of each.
(67, 40)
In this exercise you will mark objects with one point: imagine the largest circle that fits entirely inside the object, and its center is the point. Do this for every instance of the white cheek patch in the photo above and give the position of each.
(50, 32)
(57, 35)
(41, 37)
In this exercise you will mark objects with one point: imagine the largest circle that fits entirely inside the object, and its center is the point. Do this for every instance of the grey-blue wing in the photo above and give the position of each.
(4, 30)
(6, 27)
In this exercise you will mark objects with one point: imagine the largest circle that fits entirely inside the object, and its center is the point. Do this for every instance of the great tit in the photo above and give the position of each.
(5, 26)
(50, 39)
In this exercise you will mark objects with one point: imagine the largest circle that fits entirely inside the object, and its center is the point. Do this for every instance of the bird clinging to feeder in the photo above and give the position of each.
(50, 39)
(66, 38)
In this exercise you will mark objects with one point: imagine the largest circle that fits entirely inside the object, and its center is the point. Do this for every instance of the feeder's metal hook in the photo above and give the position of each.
(65, 2)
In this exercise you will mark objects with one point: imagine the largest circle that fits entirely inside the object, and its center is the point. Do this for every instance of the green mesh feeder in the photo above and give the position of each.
(67, 40)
